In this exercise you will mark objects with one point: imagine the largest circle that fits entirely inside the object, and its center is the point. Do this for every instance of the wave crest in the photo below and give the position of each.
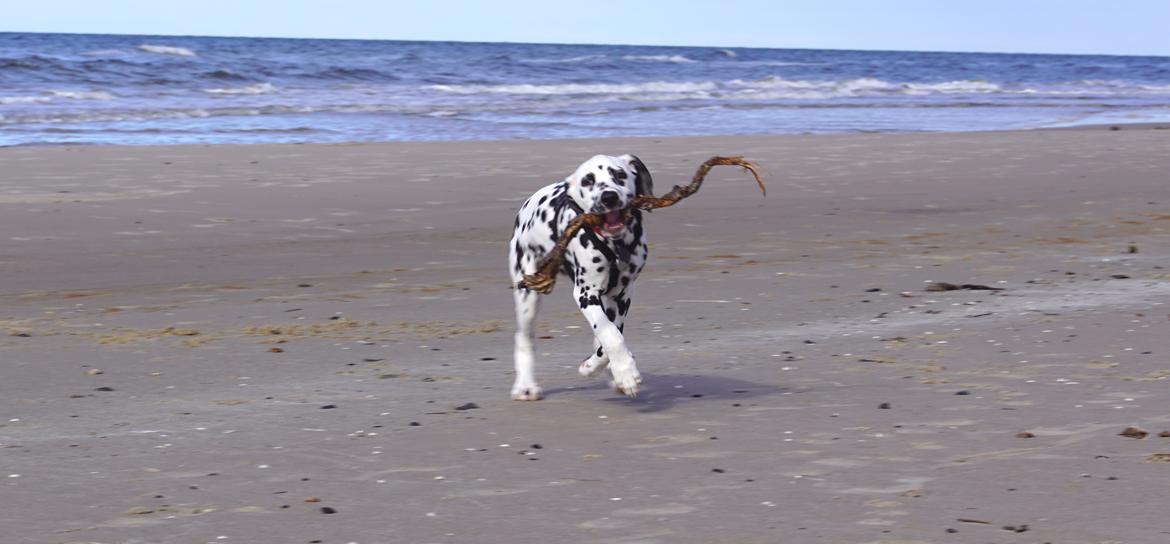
(658, 58)
(83, 95)
(166, 50)
(259, 88)
(24, 99)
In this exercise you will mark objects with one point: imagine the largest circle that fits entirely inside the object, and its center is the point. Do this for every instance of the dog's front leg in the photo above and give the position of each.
(527, 306)
(603, 322)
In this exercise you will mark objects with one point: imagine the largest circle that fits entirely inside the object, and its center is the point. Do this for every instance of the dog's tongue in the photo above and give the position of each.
(613, 219)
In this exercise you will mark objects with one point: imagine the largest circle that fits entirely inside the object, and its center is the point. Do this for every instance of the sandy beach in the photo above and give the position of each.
(312, 344)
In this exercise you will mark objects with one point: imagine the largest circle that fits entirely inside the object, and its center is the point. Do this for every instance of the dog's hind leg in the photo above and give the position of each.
(595, 362)
(527, 306)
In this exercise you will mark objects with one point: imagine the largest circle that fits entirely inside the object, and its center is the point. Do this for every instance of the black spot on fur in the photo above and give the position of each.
(618, 175)
(597, 259)
(623, 304)
(588, 179)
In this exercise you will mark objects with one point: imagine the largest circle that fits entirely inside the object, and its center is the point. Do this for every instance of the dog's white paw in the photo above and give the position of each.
(527, 391)
(626, 380)
(591, 366)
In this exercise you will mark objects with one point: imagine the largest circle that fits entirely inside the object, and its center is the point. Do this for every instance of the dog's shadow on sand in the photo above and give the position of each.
(662, 392)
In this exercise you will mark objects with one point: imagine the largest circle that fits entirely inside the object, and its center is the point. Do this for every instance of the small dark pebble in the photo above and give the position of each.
(737, 405)
(1133, 432)
(884, 406)
(304, 285)
(1014, 529)
(335, 318)
(328, 510)
(718, 470)
(104, 389)
(1164, 434)
(487, 358)
(284, 506)
(944, 286)
(415, 424)
(697, 396)
(23, 335)
(1025, 434)
(468, 406)
(873, 290)
(329, 407)
(371, 360)
(536, 446)
(1119, 277)
(963, 392)
(713, 438)
(952, 531)
(809, 342)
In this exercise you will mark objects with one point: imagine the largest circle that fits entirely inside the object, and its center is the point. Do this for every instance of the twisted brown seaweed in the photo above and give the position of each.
(545, 277)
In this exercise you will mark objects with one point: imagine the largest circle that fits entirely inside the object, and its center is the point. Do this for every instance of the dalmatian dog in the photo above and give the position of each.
(602, 264)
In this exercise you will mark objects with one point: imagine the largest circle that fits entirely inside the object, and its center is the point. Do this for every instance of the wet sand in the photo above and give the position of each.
(312, 343)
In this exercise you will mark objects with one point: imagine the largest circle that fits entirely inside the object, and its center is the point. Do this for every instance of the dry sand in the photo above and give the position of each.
(312, 343)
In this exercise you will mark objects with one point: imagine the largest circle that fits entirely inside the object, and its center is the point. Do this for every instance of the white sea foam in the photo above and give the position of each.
(570, 60)
(579, 88)
(779, 88)
(658, 58)
(83, 95)
(24, 99)
(105, 53)
(259, 88)
(952, 87)
(166, 50)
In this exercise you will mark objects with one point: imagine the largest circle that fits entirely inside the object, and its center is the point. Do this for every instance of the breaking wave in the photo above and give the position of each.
(658, 58)
(166, 50)
(259, 88)
(83, 95)
(774, 87)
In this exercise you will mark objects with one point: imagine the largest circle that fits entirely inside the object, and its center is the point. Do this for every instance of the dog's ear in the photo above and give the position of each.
(644, 184)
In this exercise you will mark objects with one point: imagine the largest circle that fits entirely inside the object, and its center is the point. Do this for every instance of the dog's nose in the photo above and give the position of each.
(610, 199)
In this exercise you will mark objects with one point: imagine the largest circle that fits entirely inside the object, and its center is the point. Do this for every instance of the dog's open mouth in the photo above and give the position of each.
(614, 226)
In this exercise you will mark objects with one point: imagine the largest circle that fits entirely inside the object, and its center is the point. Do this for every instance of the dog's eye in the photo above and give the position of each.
(587, 180)
(618, 173)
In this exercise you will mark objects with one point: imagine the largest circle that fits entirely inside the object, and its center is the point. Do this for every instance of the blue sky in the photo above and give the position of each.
(1036, 26)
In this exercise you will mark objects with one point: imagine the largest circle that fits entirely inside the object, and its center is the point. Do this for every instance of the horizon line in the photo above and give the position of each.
(877, 50)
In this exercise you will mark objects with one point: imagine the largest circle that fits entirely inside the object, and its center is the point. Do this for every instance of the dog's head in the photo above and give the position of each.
(605, 185)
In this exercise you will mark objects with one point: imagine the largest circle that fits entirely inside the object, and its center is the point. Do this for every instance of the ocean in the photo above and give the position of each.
(70, 89)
